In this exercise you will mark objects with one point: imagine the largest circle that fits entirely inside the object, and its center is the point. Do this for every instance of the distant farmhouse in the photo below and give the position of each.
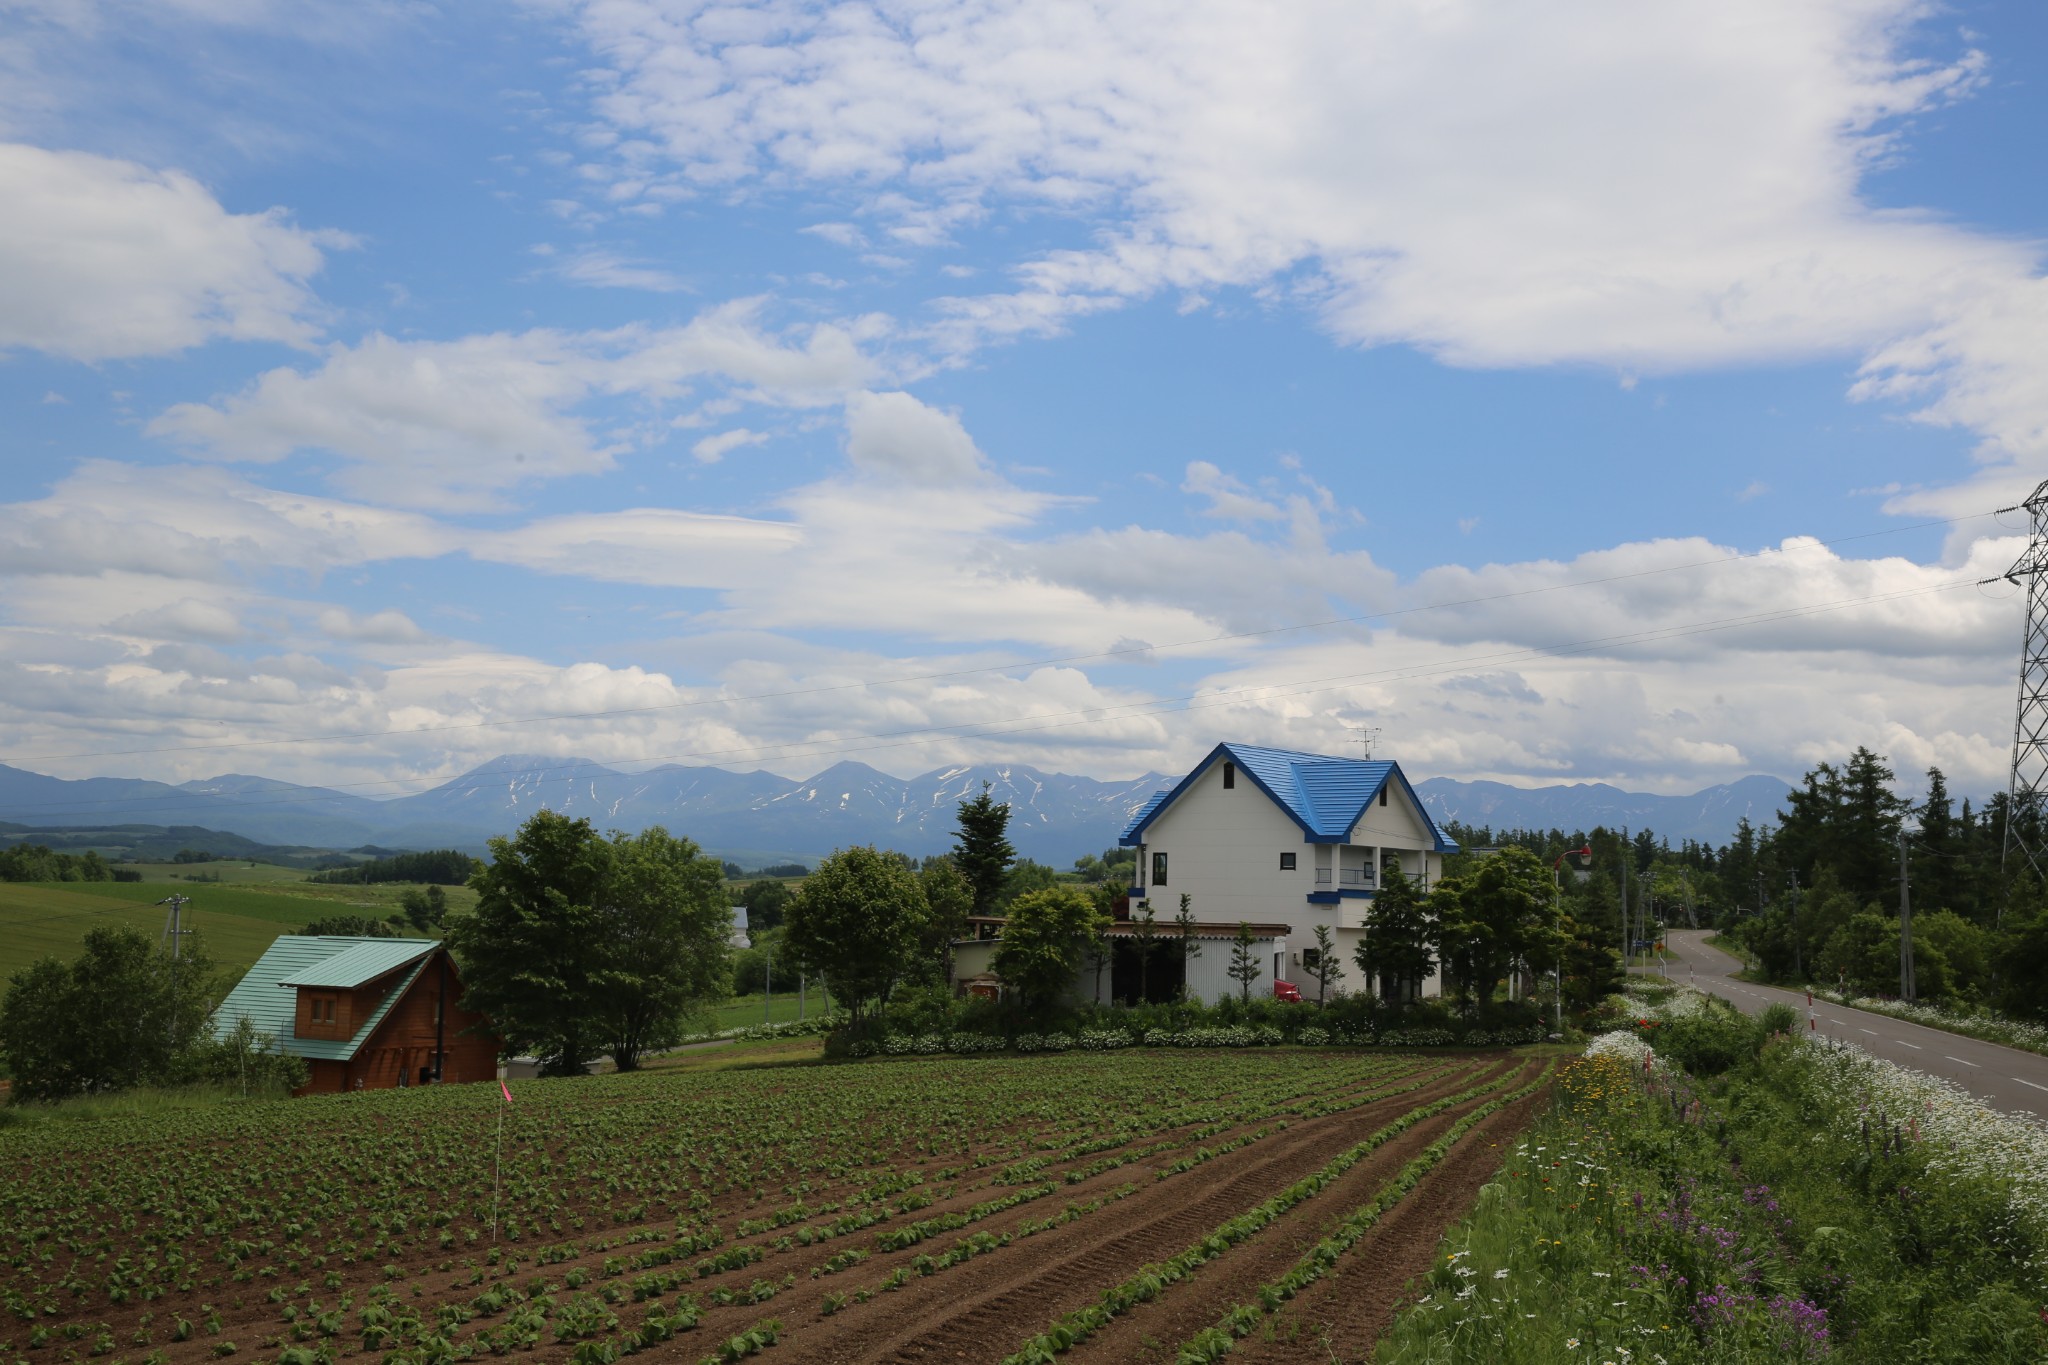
(366, 1013)
(1278, 840)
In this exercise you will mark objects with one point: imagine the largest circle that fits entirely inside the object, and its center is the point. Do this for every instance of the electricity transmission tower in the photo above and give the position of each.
(2029, 778)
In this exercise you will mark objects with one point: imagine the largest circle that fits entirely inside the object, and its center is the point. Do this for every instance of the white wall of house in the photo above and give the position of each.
(1223, 848)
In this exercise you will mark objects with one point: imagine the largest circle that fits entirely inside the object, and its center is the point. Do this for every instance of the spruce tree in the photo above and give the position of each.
(982, 849)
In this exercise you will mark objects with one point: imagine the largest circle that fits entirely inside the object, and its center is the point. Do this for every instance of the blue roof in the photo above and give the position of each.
(1324, 795)
(272, 1010)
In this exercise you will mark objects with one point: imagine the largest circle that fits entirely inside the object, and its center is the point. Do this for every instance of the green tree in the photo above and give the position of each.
(982, 849)
(1398, 950)
(664, 943)
(119, 1015)
(424, 910)
(767, 901)
(1184, 933)
(1043, 942)
(1244, 963)
(1023, 878)
(948, 902)
(1144, 933)
(856, 922)
(530, 952)
(1495, 917)
(1329, 968)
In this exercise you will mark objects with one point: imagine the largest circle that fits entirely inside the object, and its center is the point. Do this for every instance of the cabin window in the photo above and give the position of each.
(1287, 862)
(1159, 869)
(1229, 776)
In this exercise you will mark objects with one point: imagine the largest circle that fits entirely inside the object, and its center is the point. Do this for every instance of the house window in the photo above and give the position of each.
(1311, 959)
(1159, 869)
(1287, 862)
(1229, 776)
(1383, 796)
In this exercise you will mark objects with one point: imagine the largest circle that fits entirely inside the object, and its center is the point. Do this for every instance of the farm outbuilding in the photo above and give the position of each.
(365, 1013)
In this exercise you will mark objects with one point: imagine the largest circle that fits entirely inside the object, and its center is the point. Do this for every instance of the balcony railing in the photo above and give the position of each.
(1347, 876)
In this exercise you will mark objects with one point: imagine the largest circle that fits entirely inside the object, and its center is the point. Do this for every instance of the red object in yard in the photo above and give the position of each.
(1287, 990)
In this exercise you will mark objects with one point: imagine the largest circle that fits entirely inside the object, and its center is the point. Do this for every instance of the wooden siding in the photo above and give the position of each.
(403, 1044)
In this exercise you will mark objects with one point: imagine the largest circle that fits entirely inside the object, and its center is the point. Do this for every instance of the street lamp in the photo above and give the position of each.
(1557, 917)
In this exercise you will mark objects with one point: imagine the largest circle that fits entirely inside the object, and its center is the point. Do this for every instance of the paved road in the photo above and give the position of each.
(2003, 1077)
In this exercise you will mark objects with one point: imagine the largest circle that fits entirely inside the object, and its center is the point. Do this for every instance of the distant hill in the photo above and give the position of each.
(757, 818)
(1709, 815)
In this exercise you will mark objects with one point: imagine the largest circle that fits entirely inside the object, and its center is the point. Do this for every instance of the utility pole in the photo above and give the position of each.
(174, 934)
(768, 989)
(1624, 900)
(1906, 984)
(1798, 958)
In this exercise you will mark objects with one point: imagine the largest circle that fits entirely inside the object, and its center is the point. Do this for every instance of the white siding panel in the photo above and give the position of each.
(1223, 848)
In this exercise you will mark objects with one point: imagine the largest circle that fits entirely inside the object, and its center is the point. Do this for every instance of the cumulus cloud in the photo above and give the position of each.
(104, 259)
(895, 435)
(1482, 183)
(433, 422)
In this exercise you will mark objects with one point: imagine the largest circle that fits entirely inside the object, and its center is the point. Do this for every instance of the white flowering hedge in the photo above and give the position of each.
(1858, 1092)
(1109, 1040)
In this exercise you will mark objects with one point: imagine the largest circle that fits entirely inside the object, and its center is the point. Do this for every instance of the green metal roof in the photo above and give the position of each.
(272, 1010)
(361, 964)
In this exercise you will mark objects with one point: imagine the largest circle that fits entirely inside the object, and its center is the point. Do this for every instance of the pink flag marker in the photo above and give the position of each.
(506, 1088)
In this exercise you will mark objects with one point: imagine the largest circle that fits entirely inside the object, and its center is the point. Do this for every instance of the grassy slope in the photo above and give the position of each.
(237, 921)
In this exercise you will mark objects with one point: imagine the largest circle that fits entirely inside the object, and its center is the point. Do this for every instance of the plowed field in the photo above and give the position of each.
(1102, 1207)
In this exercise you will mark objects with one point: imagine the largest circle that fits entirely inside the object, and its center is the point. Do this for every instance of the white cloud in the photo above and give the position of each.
(712, 449)
(1485, 183)
(895, 435)
(603, 269)
(387, 627)
(1228, 497)
(454, 422)
(103, 259)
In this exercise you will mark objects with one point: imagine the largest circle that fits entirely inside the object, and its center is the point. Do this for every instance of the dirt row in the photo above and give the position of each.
(1342, 1316)
(986, 1308)
(258, 1319)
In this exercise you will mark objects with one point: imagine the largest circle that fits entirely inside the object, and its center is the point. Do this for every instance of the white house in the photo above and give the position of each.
(1278, 840)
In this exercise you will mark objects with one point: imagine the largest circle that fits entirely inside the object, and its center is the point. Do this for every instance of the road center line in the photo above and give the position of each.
(2027, 1082)
(1903, 1043)
(1958, 1059)
(1871, 1031)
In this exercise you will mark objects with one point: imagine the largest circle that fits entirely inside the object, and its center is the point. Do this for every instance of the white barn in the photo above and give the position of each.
(1279, 840)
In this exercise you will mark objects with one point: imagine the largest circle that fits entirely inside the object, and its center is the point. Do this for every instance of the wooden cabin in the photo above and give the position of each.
(365, 1013)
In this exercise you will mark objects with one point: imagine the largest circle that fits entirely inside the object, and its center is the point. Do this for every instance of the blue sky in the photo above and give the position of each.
(1631, 385)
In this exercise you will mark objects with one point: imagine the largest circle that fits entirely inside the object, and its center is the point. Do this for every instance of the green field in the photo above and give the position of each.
(238, 919)
(749, 1009)
(229, 873)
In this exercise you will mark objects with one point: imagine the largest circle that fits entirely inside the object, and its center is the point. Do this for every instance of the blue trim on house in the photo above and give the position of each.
(1342, 893)
(1324, 796)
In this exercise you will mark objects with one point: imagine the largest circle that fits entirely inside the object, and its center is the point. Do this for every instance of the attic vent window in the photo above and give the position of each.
(1229, 776)
(1383, 796)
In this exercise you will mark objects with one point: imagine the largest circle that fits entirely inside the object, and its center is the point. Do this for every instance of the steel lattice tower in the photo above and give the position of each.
(2029, 780)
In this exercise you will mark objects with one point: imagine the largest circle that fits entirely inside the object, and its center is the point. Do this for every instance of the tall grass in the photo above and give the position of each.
(139, 1103)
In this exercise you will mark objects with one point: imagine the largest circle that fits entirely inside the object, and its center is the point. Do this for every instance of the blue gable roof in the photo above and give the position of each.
(1323, 795)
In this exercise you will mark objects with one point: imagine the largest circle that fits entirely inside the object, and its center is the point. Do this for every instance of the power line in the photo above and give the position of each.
(1122, 711)
(1263, 633)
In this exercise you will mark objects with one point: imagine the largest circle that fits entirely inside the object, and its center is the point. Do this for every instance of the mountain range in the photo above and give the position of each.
(758, 817)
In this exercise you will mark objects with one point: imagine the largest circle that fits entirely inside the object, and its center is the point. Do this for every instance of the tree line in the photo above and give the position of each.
(439, 866)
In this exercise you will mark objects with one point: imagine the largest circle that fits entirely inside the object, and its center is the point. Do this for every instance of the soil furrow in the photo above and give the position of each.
(1343, 1315)
(983, 1309)
(1153, 1331)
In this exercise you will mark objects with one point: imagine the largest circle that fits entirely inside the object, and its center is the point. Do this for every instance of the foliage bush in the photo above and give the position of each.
(1808, 1202)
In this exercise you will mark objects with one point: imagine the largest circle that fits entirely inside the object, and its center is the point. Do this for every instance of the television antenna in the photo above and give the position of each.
(1365, 736)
